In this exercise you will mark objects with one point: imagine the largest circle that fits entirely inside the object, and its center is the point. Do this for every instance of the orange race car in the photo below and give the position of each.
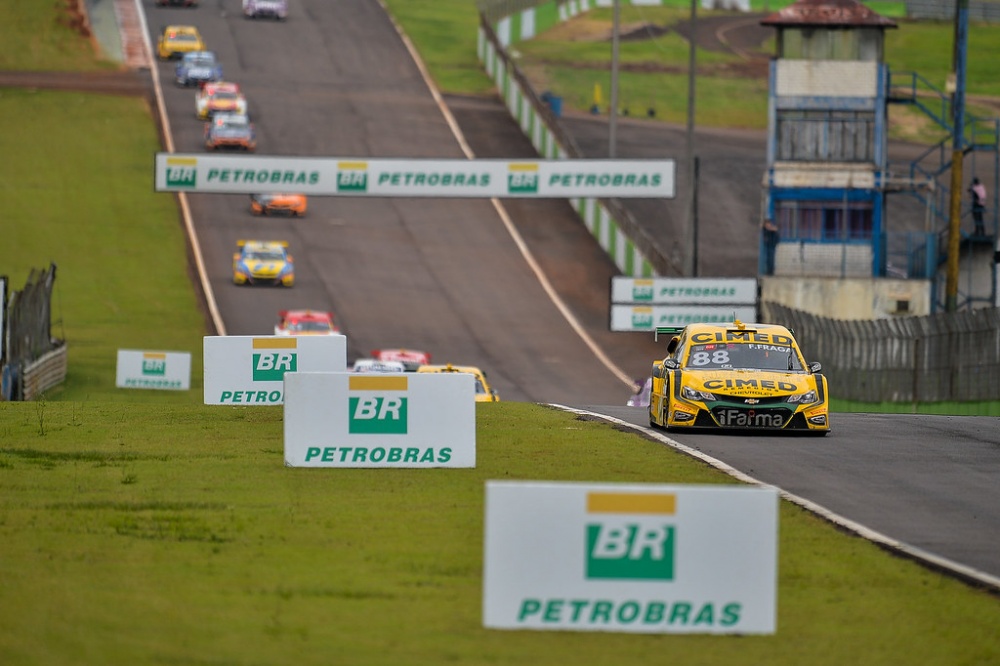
(219, 97)
(269, 204)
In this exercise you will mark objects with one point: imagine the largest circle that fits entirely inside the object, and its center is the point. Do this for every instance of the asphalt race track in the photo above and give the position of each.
(927, 481)
(445, 275)
(433, 274)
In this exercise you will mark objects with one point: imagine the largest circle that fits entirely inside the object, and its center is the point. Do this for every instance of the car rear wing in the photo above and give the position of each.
(667, 330)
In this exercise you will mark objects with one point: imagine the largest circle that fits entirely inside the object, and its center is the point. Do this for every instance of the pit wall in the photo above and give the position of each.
(617, 232)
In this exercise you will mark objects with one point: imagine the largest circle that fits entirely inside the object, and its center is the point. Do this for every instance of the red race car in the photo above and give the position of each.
(305, 322)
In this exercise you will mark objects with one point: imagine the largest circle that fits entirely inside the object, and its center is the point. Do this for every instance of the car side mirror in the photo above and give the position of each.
(815, 367)
(671, 363)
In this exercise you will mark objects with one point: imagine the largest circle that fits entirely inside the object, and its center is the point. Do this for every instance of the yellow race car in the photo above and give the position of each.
(263, 262)
(737, 377)
(176, 40)
(483, 391)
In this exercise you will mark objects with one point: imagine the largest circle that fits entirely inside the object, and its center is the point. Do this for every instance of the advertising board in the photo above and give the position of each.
(400, 419)
(642, 558)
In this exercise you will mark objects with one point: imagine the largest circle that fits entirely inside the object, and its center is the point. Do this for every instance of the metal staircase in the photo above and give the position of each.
(928, 176)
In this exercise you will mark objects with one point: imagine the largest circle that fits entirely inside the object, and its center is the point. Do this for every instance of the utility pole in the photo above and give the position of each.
(957, 151)
(613, 111)
(691, 228)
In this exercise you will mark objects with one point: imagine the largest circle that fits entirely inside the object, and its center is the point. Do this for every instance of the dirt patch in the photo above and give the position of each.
(74, 16)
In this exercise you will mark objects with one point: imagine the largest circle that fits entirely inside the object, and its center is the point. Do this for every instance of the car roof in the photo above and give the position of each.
(301, 315)
(448, 367)
(182, 29)
(728, 328)
(221, 86)
(262, 245)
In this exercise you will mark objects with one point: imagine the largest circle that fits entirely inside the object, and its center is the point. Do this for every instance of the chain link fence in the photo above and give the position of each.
(948, 357)
(34, 361)
(984, 11)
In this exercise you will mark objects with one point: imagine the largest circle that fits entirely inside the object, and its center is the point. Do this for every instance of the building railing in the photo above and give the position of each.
(937, 358)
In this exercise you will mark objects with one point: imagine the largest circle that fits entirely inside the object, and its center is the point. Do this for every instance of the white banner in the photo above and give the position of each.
(250, 370)
(168, 371)
(346, 176)
(684, 291)
(401, 419)
(630, 558)
(648, 317)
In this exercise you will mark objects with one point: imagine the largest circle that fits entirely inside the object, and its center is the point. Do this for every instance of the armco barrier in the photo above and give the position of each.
(615, 229)
(43, 373)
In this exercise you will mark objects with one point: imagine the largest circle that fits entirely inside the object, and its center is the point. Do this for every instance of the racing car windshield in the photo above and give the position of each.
(744, 356)
(310, 326)
(266, 255)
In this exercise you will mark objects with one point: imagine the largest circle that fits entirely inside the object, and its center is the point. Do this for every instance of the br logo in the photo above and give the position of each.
(632, 541)
(375, 406)
(352, 176)
(273, 358)
(154, 364)
(181, 172)
(522, 179)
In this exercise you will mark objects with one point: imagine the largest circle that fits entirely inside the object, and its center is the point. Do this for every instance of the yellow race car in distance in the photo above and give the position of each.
(737, 376)
(263, 262)
(483, 391)
(176, 40)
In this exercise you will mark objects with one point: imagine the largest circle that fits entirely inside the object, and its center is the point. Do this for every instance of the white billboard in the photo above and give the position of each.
(684, 291)
(630, 557)
(250, 370)
(401, 419)
(354, 176)
(158, 370)
(648, 317)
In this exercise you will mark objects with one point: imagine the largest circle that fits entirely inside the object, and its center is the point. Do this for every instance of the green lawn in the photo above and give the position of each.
(144, 527)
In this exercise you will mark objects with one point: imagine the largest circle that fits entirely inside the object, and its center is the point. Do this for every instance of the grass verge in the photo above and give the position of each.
(174, 534)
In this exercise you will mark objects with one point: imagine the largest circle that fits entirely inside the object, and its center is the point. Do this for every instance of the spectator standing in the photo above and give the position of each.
(771, 237)
(978, 192)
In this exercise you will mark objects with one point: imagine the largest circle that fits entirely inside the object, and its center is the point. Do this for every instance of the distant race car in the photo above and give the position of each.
(270, 8)
(374, 365)
(263, 262)
(197, 68)
(270, 204)
(177, 3)
(176, 40)
(230, 130)
(483, 391)
(219, 97)
(305, 322)
(738, 377)
(410, 358)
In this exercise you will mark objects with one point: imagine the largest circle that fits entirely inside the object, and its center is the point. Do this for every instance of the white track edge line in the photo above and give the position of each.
(505, 217)
(966, 573)
(206, 286)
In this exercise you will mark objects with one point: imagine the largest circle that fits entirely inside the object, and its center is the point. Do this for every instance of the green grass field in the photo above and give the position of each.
(145, 527)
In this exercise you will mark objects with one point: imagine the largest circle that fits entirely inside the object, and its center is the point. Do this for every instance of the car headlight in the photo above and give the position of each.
(689, 393)
(803, 398)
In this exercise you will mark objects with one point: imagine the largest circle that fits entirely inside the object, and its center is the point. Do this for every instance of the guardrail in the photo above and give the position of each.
(938, 358)
(44, 373)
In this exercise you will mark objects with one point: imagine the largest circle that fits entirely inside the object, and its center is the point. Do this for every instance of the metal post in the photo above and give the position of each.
(690, 235)
(957, 153)
(613, 111)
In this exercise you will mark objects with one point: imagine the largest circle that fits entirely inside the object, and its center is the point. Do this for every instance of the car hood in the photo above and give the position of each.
(748, 383)
(259, 268)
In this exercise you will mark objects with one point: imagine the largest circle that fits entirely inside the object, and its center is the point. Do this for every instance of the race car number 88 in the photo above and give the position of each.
(718, 357)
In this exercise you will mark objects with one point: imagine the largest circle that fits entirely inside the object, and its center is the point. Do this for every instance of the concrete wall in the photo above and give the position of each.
(850, 298)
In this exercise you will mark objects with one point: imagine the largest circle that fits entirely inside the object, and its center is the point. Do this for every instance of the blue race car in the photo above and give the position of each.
(197, 68)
